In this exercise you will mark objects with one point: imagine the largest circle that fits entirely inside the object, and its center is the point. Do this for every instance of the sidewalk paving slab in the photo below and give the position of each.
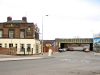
(15, 58)
(19, 58)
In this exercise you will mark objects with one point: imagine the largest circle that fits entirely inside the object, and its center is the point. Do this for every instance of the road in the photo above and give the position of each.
(65, 63)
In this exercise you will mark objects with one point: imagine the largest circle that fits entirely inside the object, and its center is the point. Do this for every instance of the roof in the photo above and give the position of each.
(16, 21)
(71, 38)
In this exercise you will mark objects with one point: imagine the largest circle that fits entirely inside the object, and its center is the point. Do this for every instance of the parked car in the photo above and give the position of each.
(78, 48)
(62, 50)
(86, 50)
(75, 48)
(70, 49)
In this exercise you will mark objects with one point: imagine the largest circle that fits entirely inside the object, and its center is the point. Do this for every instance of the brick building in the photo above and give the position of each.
(19, 37)
(47, 43)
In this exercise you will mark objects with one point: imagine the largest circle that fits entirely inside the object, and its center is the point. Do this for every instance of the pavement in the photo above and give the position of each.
(39, 56)
(26, 57)
(96, 53)
(15, 57)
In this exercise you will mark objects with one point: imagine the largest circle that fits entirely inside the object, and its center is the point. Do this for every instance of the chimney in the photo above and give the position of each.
(9, 18)
(24, 19)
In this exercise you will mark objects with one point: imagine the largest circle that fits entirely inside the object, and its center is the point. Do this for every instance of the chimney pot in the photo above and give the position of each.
(24, 19)
(9, 18)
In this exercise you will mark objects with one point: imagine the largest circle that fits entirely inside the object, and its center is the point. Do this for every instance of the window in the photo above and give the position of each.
(22, 47)
(1, 33)
(28, 47)
(5, 45)
(11, 33)
(22, 33)
(0, 45)
(37, 48)
(15, 45)
(10, 45)
(29, 31)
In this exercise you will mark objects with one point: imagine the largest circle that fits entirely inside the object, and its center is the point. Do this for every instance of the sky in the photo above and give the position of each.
(66, 18)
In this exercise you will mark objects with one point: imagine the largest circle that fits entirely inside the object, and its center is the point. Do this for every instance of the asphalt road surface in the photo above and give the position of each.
(65, 63)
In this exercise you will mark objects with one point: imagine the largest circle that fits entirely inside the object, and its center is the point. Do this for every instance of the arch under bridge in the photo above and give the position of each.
(64, 43)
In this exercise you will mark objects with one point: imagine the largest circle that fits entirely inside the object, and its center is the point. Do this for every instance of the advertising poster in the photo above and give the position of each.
(96, 43)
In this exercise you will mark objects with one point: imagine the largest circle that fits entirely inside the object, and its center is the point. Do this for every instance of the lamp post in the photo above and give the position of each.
(42, 35)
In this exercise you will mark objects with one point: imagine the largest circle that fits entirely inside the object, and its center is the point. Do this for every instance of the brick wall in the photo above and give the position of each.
(8, 51)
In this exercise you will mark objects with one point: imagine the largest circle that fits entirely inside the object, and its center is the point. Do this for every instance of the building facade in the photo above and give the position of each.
(19, 37)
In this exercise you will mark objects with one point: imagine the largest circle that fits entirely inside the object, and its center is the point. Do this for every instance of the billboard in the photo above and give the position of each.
(96, 43)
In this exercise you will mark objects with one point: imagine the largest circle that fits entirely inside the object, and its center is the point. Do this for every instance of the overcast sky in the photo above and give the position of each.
(66, 18)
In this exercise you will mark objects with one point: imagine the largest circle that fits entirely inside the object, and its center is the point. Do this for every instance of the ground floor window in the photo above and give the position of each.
(22, 47)
(10, 45)
(16, 46)
(28, 47)
(0, 45)
(5, 45)
(37, 47)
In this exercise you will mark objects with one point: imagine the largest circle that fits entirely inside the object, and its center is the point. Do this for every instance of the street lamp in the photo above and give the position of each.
(42, 34)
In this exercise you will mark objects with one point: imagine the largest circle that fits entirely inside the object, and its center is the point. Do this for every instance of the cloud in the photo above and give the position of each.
(67, 18)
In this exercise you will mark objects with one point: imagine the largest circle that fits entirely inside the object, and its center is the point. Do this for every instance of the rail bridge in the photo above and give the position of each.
(63, 43)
